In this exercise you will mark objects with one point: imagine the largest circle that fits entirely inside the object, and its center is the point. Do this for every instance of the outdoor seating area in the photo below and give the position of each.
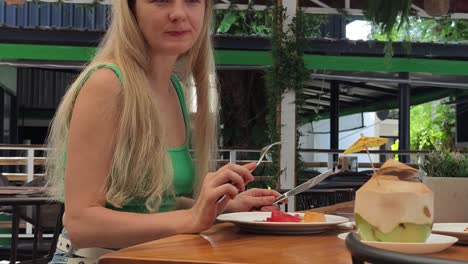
(268, 131)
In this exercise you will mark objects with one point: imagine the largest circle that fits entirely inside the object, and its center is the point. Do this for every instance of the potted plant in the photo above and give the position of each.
(437, 8)
(447, 176)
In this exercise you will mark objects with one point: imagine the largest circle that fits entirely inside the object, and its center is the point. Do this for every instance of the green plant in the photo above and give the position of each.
(432, 126)
(386, 15)
(428, 30)
(446, 163)
(250, 22)
(243, 22)
(288, 72)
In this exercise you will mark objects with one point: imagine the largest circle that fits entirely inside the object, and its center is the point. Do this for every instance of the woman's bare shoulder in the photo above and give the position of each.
(103, 81)
(99, 98)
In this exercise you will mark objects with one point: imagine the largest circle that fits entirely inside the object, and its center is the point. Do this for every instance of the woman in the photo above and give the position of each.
(120, 158)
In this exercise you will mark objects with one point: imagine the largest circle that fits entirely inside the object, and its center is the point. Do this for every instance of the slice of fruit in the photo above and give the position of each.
(313, 217)
(278, 216)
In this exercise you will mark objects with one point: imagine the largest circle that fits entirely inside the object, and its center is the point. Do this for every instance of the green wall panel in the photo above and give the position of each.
(255, 58)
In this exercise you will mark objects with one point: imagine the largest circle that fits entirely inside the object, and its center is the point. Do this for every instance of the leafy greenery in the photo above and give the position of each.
(287, 72)
(432, 126)
(444, 163)
(395, 15)
(276, 84)
(427, 30)
(243, 22)
(250, 22)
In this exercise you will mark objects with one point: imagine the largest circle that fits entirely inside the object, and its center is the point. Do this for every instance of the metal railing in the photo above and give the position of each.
(34, 155)
(30, 159)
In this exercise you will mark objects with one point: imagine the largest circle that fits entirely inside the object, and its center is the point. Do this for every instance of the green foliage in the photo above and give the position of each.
(446, 163)
(250, 22)
(395, 147)
(288, 71)
(386, 15)
(243, 22)
(432, 126)
(427, 30)
(276, 84)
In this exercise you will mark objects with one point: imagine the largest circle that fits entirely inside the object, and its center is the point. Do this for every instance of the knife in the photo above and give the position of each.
(305, 186)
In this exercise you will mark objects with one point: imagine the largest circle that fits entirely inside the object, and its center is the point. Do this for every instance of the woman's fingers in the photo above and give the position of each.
(250, 166)
(236, 174)
(225, 189)
(229, 177)
(263, 192)
(243, 171)
(269, 208)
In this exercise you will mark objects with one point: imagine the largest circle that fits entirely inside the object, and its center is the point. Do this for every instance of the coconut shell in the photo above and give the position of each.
(402, 171)
(386, 200)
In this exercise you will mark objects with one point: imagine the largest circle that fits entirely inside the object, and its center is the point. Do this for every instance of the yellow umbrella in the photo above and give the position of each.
(364, 143)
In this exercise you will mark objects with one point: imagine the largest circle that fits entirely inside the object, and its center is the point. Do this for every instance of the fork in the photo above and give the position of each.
(263, 153)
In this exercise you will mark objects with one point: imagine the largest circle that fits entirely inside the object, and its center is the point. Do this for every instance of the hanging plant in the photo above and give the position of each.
(288, 72)
(386, 15)
(275, 86)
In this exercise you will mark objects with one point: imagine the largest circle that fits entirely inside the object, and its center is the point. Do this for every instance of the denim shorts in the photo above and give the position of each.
(60, 257)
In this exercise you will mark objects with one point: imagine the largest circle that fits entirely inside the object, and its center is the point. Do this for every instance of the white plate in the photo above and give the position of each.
(452, 229)
(433, 244)
(255, 222)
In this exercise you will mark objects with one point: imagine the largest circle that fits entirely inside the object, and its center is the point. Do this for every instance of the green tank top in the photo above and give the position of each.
(182, 164)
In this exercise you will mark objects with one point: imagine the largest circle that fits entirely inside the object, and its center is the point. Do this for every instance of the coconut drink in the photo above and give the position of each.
(393, 206)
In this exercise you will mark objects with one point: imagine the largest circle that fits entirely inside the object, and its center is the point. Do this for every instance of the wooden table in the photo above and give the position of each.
(225, 243)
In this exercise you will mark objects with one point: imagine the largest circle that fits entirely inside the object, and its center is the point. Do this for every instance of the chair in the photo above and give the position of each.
(361, 253)
(45, 217)
(39, 250)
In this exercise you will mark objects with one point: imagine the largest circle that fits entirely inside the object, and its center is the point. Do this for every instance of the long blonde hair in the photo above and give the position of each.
(140, 165)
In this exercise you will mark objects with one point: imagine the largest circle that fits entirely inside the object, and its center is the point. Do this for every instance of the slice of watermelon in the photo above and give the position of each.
(279, 216)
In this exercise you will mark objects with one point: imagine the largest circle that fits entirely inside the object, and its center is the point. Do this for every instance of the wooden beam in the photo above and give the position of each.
(20, 177)
(5, 161)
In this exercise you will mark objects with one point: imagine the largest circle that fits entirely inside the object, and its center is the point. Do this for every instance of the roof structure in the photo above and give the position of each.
(65, 36)
(458, 8)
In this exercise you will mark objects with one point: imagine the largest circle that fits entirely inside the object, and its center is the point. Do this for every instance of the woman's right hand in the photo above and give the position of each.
(229, 180)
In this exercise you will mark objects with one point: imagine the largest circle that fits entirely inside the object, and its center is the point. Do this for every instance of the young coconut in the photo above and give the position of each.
(393, 206)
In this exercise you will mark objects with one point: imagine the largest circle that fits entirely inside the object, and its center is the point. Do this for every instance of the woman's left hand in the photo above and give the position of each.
(253, 200)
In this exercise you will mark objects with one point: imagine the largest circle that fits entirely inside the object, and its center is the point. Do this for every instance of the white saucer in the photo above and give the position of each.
(452, 229)
(433, 244)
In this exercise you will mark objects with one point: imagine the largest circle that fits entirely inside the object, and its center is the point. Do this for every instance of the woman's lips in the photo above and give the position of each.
(177, 33)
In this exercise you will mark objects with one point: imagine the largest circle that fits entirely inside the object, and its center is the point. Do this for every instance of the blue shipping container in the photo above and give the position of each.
(55, 16)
